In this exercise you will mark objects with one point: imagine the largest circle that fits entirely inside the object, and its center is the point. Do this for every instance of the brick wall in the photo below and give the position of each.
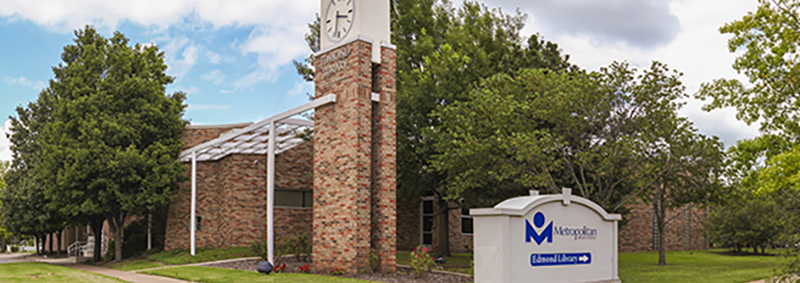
(637, 235)
(231, 199)
(408, 219)
(196, 134)
(354, 162)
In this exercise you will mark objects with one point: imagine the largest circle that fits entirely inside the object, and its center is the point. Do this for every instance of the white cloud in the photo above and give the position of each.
(277, 38)
(5, 150)
(191, 90)
(207, 107)
(215, 76)
(274, 47)
(213, 57)
(632, 22)
(698, 50)
(180, 65)
(37, 85)
(302, 87)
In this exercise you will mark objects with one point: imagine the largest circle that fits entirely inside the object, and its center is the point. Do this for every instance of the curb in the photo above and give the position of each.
(438, 271)
(198, 263)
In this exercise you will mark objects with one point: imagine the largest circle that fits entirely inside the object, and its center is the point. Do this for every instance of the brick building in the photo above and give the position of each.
(231, 194)
(232, 201)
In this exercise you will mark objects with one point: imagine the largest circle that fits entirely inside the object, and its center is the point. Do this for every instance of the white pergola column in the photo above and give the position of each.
(193, 219)
(271, 193)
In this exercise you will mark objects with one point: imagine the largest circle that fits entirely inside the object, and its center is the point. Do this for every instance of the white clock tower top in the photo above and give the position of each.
(342, 21)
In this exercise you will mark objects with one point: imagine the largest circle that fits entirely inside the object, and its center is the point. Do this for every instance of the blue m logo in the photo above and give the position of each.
(538, 221)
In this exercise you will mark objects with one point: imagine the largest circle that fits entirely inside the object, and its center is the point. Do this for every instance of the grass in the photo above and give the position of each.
(43, 272)
(222, 275)
(135, 264)
(180, 256)
(682, 266)
(696, 266)
(457, 262)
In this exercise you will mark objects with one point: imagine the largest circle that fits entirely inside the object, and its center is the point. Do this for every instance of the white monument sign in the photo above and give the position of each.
(545, 238)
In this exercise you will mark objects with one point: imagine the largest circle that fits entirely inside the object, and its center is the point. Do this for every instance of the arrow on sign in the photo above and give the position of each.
(583, 258)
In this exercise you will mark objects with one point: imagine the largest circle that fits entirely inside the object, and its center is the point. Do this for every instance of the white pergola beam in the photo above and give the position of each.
(330, 98)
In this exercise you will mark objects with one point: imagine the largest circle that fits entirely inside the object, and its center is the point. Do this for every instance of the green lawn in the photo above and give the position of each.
(696, 266)
(222, 275)
(457, 262)
(43, 272)
(692, 266)
(180, 256)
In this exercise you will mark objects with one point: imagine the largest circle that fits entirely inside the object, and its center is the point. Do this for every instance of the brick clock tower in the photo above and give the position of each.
(354, 138)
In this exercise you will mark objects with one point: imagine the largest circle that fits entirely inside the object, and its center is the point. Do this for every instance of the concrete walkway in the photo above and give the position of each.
(14, 257)
(130, 276)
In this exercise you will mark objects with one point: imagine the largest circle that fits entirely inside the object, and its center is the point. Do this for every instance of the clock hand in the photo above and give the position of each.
(336, 25)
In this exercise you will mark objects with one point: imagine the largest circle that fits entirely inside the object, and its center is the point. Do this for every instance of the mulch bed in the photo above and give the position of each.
(404, 274)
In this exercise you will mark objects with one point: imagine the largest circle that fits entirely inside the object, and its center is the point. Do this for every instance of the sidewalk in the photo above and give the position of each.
(130, 276)
(125, 275)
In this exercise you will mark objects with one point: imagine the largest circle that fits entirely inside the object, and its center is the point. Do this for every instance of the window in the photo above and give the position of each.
(466, 221)
(426, 221)
(198, 219)
(293, 198)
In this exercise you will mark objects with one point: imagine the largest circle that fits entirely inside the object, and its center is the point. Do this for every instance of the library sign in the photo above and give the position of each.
(545, 238)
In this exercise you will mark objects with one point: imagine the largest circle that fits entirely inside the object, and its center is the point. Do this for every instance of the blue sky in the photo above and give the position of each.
(233, 57)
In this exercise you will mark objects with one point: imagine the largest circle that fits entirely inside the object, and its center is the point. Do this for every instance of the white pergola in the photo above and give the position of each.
(272, 136)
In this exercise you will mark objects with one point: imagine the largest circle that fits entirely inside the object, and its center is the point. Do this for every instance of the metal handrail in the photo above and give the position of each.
(75, 247)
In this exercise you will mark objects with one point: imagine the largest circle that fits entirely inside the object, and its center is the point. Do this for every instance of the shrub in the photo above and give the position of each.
(374, 260)
(259, 248)
(299, 246)
(420, 260)
(305, 268)
(279, 268)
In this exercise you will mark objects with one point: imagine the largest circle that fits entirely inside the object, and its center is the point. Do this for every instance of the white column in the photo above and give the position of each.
(270, 193)
(193, 220)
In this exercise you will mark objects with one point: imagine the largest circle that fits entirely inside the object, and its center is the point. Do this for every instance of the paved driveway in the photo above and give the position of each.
(13, 257)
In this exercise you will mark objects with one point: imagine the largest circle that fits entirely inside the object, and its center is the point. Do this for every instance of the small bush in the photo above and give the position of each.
(299, 246)
(305, 268)
(259, 248)
(14, 248)
(374, 260)
(420, 260)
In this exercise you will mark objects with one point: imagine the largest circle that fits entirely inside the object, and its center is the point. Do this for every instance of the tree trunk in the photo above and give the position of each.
(2, 243)
(36, 243)
(97, 228)
(52, 240)
(660, 211)
(117, 224)
(443, 247)
(60, 244)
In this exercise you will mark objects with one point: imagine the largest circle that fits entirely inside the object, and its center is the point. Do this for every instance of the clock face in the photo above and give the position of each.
(338, 19)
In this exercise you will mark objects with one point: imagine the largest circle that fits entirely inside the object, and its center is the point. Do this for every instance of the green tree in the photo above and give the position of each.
(442, 53)
(767, 43)
(26, 210)
(111, 148)
(612, 135)
(745, 220)
(4, 165)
